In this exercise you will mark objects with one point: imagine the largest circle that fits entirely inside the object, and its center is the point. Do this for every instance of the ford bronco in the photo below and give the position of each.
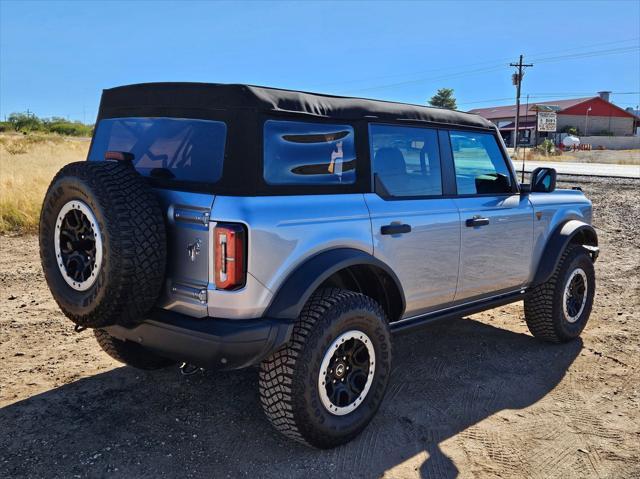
(228, 226)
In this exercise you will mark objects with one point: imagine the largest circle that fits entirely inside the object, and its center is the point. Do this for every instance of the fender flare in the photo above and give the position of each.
(561, 237)
(295, 291)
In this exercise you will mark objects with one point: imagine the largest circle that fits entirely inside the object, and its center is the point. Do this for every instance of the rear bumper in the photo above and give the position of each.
(212, 343)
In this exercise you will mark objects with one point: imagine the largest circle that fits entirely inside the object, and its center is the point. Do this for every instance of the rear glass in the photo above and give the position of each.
(169, 148)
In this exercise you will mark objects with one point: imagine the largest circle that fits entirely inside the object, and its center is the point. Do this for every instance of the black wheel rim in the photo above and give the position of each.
(575, 295)
(77, 245)
(348, 371)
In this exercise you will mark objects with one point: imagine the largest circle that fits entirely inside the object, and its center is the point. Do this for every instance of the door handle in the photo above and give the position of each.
(477, 221)
(395, 229)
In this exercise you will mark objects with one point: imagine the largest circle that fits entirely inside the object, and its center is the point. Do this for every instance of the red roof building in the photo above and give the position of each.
(589, 116)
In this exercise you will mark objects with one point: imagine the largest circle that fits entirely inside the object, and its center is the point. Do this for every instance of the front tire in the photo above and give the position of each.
(325, 386)
(557, 311)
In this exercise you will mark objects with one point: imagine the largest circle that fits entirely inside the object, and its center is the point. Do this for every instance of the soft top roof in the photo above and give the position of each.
(183, 99)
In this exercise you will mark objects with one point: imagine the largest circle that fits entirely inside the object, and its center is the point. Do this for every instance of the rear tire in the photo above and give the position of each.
(129, 353)
(558, 310)
(325, 386)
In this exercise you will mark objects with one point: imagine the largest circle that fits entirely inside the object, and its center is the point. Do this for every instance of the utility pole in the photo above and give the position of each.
(517, 81)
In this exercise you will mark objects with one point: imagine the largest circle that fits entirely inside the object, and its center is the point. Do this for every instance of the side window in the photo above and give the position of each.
(406, 160)
(302, 153)
(480, 166)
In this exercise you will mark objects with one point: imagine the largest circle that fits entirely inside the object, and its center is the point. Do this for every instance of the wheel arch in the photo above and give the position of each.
(569, 232)
(342, 267)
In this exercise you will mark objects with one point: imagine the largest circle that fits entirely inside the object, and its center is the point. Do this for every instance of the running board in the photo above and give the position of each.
(456, 311)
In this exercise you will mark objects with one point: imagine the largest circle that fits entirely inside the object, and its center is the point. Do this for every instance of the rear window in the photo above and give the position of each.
(169, 148)
(303, 153)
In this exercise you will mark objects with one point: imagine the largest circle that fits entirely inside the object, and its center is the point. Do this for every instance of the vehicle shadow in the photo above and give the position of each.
(128, 423)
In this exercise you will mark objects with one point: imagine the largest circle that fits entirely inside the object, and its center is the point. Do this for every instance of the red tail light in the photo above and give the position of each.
(230, 265)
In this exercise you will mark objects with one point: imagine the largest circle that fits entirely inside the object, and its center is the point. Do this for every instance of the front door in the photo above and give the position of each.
(496, 222)
(416, 231)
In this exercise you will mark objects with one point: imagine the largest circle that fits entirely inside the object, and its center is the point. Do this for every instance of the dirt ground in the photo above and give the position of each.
(474, 397)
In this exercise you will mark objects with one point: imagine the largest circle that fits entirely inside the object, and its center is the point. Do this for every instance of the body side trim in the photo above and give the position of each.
(557, 243)
(461, 310)
(306, 278)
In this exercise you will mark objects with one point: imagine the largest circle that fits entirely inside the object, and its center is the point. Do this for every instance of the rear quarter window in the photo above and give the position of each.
(305, 153)
(168, 148)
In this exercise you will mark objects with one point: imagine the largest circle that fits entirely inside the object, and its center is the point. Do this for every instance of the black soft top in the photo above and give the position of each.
(182, 99)
(244, 109)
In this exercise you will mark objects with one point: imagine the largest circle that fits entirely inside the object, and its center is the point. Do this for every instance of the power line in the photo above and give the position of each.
(501, 67)
(610, 51)
(547, 95)
(499, 62)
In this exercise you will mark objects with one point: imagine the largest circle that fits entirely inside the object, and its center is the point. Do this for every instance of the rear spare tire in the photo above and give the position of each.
(102, 243)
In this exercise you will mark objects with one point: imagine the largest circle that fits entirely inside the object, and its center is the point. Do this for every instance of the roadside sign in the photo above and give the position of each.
(547, 121)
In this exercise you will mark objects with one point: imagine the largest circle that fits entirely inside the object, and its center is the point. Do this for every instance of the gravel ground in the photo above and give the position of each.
(473, 397)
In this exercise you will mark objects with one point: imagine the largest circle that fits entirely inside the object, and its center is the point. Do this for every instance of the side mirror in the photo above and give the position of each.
(543, 180)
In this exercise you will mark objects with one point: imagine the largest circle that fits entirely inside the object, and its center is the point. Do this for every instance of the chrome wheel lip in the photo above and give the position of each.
(86, 211)
(567, 292)
(324, 366)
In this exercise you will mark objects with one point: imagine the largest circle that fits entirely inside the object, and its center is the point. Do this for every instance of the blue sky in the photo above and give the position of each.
(56, 57)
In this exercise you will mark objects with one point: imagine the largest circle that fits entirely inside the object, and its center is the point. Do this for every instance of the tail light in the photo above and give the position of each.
(230, 262)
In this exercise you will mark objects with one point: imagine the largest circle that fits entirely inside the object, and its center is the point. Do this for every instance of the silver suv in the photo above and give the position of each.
(226, 226)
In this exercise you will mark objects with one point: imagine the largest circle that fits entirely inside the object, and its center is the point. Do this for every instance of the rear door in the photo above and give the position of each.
(496, 222)
(178, 156)
(416, 231)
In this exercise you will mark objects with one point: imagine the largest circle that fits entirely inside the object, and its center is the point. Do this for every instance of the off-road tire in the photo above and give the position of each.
(130, 353)
(543, 305)
(289, 378)
(132, 231)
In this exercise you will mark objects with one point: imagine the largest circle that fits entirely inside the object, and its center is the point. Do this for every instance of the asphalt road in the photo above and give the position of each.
(590, 169)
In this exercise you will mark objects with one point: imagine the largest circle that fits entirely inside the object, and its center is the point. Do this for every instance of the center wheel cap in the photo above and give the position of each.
(340, 369)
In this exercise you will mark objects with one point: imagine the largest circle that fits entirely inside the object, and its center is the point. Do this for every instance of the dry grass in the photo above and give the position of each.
(27, 165)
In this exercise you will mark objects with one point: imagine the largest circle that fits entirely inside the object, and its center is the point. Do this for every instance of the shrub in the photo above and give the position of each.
(28, 123)
(65, 127)
(547, 147)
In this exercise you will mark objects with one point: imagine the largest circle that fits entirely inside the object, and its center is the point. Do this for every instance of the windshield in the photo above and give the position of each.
(169, 148)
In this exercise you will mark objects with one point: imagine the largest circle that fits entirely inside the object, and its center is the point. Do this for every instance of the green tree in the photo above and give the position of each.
(444, 99)
(25, 122)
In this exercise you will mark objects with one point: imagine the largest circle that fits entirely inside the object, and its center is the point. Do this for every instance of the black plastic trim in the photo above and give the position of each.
(300, 285)
(212, 343)
(557, 243)
(409, 324)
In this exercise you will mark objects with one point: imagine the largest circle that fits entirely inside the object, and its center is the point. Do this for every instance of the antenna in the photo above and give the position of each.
(524, 156)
